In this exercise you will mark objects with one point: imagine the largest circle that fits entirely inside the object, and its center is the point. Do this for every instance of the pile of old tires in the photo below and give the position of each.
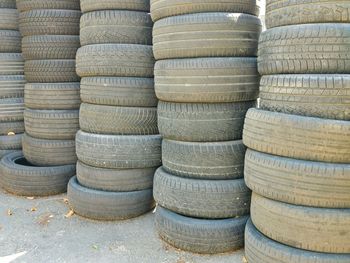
(297, 164)
(118, 146)
(11, 80)
(206, 79)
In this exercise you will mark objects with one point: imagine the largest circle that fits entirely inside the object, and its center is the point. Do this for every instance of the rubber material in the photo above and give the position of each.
(8, 19)
(11, 127)
(26, 5)
(11, 86)
(11, 109)
(8, 4)
(10, 41)
(11, 64)
(92, 5)
(11, 142)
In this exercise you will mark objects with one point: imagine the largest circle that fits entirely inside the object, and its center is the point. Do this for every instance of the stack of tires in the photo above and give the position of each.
(298, 161)
(206, 79)
(50, 31)
(118, 146)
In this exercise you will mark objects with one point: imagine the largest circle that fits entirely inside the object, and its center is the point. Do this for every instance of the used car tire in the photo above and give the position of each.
(11, 142)
(11, 127)
(11, 110)
(10, 41)
(11, 86)
(11, 64)
(8, 4)
(92, 5)
(8, 19)
(26, 5)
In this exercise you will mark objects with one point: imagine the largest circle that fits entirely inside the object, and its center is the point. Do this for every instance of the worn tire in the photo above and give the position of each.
(297, 137)
(11, 110)
(137, 92)
(207, 80)
(50, 47)
(8, 4)
(11, 86)
(8, 19)
(312, 48)
(298, 182)
(200, 235)
(51, 124)
(11, 64)
(10, 41)
(102, 119)
(315, 229)
(115, 180)
(50, 70)
(324, 96)
(92, 5)
(197, 122)
(15, 127)
(26, 5)
(116, 26)
(119, 152)
(21, 178)
(43, 152)
(260, 249)
(11, 142)
(206, 35)
(204, 160)
(213, 199)
(103, 205)
(115, 60)
(52, 96)
(165, 8)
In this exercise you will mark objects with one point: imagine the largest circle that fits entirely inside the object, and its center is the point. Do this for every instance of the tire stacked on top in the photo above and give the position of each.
(206, 79)
(11, 80)
(298, 161)
(50, 31)
(118, 146)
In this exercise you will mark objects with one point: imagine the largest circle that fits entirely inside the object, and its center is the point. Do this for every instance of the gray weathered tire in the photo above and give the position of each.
(116, 26)
(261, 249)
(103, 205)
(287, 12)
(11, 109)
(26, 5)
(115, 180)
(50, 70)
(51, 124)
(115, 60)
(11, 142)
(52, 96)
(310, 228)
(137, 92)
(324, 96)
(11, 64)
(212, 199)
(200, 235)
(11, 86)
(206, 35)
(311, 48)
(43, 152)
(202, 122)
(119, 151)
(10, 41)
(298, 182)
(92, 5)
(8, 19)
(21, 178)
(165, 8)
(11, 127)
(297, 137)
(102, 119)
(8, 4)
(204, 160)
(50, 47)
(207, 80)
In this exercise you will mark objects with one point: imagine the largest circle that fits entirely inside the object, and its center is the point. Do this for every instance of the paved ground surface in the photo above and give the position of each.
(36, 230)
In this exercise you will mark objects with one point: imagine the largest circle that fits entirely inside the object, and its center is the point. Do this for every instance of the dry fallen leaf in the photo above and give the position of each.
(65, 200)
(244, 260)
(9, 212)
(33, 209)
(11, 133)
(45, 219)
(94, 246)
(30, 197)
(69, 214)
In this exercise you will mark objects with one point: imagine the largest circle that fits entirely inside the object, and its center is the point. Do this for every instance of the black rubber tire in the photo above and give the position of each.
(324, 96)
(204, 160)
(297, 137)
(51, 124)
(298, 182)
(207, 80)
(119, 151)
(103, 205)
(287, 12)
(52, 96)
(50, 70)
(116, 26)
(260, 249)
(206, 35)
(8, 4)
(26, 5)
(200, 235)
(115, 180)
(49, 22)
(211, 199)
(8, 19)
(10, 41)
(15, 127)
(11, 110)
(102, 119)
(11, 64)
(137, 92)
(197, 122)
(11, 142)
(316, 229)
(115, 60)
(165, 8)
(50, 47)
(11, 86)
(311, 48)
(92, 5)
(43, 152)
(21, 178)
